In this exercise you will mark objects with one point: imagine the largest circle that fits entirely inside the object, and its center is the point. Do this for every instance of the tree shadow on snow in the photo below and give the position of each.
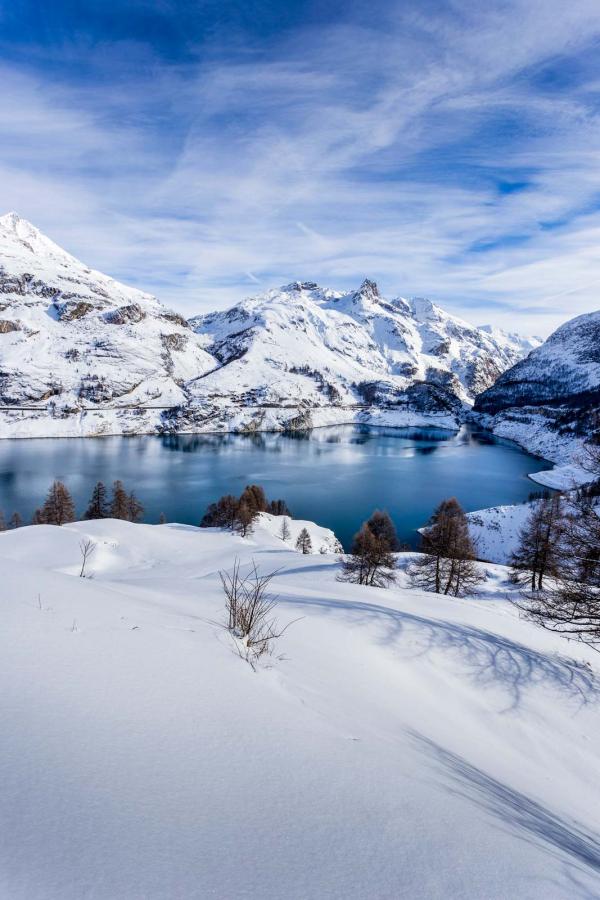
(518, 812)
(491, 659)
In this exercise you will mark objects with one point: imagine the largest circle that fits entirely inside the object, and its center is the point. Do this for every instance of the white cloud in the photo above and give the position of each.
(344, 152)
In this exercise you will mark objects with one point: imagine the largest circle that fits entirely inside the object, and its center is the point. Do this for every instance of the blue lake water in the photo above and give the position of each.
(334, 476)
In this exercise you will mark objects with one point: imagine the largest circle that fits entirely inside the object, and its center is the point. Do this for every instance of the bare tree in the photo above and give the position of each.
(447, 564)
(539, 550)
(370, 562)
(285, 533)
(87, 548)
(303, 542)
(570, 602)
(250, 607)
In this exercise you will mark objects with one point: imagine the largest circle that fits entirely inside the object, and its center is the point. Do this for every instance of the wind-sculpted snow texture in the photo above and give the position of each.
(397, 745)
(550, 401)
(82, 354)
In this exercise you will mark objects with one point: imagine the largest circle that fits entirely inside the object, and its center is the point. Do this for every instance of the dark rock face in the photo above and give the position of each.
(125, 315)
(564, 370)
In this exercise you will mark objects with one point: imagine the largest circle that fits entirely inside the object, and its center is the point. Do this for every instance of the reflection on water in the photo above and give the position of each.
(335, 476)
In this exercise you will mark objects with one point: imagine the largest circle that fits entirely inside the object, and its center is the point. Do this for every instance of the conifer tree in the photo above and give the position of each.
(98, 507)
(370, 562)
(285, 533)
(162, 519)
(382, 527)
(244, 518)
(278, 508)
(58, 508)
(539, 551)
(119, 507)
(303, 542)
(135, 510)
(447, 564)
(254, 497)
(38, 517)
(15, 520)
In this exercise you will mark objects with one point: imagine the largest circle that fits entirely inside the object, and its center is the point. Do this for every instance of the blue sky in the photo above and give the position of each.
(208, 150)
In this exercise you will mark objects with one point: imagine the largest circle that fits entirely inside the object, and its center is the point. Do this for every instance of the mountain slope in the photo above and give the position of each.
(322, 349)
(72, 339)
(549, 401)
(397, 745)
(82, 354)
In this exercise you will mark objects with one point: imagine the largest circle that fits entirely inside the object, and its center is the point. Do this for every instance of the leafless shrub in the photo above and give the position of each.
(250, 607)
(87, 548)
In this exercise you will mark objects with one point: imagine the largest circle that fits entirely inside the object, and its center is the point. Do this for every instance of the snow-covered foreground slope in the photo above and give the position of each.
(81, 354)
(399, 745)
(549, 401)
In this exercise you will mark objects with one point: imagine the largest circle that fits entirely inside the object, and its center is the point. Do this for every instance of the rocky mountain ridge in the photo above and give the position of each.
(82, 354)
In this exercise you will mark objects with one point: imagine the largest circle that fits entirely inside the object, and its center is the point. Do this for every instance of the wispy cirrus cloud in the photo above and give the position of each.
(442, 149)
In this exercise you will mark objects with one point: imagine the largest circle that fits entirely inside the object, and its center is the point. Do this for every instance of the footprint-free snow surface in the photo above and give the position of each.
(397, 745)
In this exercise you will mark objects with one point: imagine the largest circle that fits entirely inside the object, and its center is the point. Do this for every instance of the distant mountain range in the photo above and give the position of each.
(82, 354)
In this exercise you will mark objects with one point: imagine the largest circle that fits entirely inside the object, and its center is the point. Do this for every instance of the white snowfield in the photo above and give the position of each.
(397, 745)
(82, 354)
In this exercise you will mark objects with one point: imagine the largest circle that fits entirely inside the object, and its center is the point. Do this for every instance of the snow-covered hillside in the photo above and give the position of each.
(82, 354)
(549, 401)
(82, 348)
(317, 353)
(397, 745)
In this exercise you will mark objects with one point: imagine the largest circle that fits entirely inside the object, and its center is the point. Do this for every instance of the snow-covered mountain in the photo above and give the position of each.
(549, 401)
(73, 339)
(319, 350)
(81, 353)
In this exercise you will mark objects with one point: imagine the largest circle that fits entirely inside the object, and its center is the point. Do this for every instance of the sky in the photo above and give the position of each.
(209, 150)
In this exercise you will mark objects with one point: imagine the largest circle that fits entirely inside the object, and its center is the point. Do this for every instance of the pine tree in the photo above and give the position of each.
(370, 561)
(119, 507)
(2, 521)
(244, 518)
(303, 542)
(58, 508)
(447, 564)
(382, 527)
(278, 508)
(38, 517)
(285, 533)
(135, 510)
(221, 514)
(98, 507)
(538, 552)
(254, 497)
(15, 520)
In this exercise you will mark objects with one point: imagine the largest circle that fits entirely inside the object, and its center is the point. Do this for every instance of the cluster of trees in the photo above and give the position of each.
(557, 561)
(371, 560)
(447, 564)
(239, 513)
(59, 508)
